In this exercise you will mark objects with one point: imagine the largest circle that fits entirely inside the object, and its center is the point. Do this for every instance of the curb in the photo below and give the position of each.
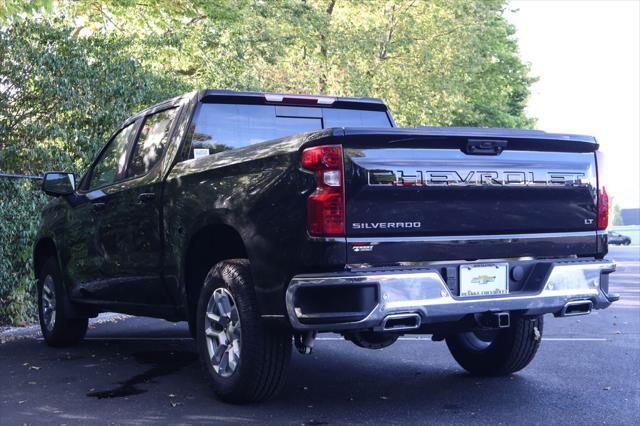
(17, 333)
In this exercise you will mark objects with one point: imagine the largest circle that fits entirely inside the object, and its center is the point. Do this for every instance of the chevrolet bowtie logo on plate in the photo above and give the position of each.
(483, 279)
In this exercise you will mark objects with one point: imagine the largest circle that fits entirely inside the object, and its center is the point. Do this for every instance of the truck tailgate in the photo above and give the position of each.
(454, 192)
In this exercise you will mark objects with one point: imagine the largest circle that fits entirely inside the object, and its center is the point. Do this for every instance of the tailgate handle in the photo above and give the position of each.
(485, 146)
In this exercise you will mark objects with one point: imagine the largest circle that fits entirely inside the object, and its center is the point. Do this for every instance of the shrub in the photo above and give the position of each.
(19, 215)
(61, 95)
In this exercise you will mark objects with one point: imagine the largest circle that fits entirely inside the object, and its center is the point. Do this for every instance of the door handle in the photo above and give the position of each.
(98, 206)
(145, 197)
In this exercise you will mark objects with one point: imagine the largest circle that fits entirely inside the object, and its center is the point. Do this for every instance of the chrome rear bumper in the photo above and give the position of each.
(314, 302)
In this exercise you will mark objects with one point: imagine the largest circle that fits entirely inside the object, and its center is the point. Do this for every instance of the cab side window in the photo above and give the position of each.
(152, 142)
(112, 162)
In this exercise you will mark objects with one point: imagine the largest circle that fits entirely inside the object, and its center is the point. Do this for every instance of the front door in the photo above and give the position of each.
(84, 257)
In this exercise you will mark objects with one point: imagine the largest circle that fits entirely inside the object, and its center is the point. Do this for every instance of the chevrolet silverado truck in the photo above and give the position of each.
(264, 219)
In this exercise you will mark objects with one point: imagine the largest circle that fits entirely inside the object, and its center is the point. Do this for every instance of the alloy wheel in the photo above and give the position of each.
(223, 332)
(49, 302)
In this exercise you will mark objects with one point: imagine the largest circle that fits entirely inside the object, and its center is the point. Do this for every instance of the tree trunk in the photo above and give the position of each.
(324, 71)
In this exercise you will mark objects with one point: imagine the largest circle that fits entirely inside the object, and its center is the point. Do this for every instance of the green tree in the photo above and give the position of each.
(11, 8)
(442, 62)
(20, 206)
(61, 95)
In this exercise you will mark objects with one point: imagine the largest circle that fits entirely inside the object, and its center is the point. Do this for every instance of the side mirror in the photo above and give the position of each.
(58, 183)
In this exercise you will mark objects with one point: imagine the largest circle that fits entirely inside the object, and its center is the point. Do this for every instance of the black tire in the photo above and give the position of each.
(264, 352)
(63, 330)
(504, 352)
(193, 327)
(627, 242)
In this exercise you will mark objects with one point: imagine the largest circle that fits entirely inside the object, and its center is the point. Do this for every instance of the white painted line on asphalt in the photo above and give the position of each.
(575, 339)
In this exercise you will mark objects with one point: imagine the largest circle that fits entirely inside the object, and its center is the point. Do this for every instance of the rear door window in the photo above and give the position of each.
(151, 143)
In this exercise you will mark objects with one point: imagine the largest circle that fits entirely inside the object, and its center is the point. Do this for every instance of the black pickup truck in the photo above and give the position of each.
(263, 219)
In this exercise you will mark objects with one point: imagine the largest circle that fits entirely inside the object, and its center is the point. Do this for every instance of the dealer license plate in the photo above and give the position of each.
(486, 279)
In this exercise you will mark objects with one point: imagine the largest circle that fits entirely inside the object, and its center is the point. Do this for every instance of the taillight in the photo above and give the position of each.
(325, 206)
(603, 198)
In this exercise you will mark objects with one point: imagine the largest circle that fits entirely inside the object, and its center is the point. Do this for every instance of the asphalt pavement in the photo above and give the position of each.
(145, 371)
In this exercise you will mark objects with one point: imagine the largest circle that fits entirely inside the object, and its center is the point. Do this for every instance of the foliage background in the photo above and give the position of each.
(71, 71)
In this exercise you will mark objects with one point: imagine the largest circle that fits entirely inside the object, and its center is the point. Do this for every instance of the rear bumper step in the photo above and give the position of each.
(407, 298)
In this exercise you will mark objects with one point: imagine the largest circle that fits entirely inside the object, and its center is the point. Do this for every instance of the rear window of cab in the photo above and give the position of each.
(220, 127)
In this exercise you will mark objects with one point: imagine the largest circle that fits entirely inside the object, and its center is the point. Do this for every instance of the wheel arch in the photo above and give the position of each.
(44, 248)
(207, 246)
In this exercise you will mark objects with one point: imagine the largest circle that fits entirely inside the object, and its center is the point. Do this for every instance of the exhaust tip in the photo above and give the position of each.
(576, 307)
(401, 322)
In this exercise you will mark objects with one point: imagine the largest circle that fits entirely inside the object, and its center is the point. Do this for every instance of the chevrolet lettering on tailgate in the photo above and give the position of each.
(452, 177)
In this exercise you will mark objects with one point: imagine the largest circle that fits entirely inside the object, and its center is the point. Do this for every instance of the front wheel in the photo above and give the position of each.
(500, 352)
(57, 326)
(245, 359)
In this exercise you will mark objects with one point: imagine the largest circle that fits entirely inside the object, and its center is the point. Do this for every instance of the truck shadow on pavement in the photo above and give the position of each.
(334, 375)
(163, 363)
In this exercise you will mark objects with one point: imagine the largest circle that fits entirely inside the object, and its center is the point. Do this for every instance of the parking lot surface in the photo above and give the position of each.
(145, 371)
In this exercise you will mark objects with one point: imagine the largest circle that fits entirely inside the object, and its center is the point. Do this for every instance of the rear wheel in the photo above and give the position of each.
(498, 352)
(245, 359)
(193, 327)
(58, 328)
